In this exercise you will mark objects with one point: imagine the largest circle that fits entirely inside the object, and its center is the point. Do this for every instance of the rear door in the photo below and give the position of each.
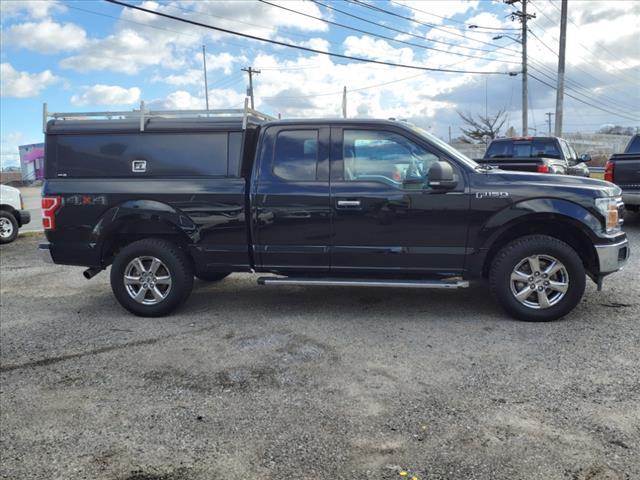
(383, 224)
(291, 209)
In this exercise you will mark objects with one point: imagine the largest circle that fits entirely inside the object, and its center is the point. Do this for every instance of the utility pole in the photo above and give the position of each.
(344, 102)
(251, 71)
(561, 57)
(523, 17)
(549, 115)
(206, 87)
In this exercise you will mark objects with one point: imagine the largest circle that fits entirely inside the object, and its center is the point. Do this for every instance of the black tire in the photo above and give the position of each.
(12, 225)
(176, 263)
(511, 256)
(212, 276)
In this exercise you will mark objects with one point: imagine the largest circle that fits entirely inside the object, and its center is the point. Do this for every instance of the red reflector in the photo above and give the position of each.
(543, 169)
(397, 176)
(49, 207)
(608, 171)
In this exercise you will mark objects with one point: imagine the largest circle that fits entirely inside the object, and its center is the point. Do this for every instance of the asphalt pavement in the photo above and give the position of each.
(247, 381)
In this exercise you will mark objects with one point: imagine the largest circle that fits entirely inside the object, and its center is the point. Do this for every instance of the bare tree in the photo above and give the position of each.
(478, 129)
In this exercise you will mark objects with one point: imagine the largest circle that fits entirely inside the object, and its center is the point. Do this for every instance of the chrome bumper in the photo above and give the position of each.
(45, 252)
(612, 258)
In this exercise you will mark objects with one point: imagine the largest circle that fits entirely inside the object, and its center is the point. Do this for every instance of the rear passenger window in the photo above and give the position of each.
(165, 154)
(296, 155)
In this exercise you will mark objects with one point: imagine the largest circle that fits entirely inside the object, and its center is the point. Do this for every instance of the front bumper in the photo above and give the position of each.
(24, 217)
(612, 258)
(45, 252)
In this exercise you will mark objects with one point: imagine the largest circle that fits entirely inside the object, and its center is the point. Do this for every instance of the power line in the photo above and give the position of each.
(404, 32)
(299, 47)
(434, 27)
(585, 102)
(366, 32)
(450, 19)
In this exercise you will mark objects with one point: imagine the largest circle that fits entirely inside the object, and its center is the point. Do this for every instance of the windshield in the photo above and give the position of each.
(444, 146)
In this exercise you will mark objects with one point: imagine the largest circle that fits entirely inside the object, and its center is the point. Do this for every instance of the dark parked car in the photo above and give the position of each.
(623, 169)
(536, 154)
(164, 196)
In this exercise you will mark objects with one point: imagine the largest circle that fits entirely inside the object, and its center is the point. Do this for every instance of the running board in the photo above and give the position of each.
(358, 282)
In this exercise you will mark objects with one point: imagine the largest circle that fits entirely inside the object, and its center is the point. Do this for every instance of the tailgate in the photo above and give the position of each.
(522, 165)
(626, 172)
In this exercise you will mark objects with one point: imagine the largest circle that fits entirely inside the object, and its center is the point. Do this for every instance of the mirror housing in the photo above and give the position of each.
(585, 157)
(441, 176)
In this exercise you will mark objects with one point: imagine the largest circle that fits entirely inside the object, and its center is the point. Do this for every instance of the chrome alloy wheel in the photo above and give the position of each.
(147, 280)
(539, 281)
(6, 228)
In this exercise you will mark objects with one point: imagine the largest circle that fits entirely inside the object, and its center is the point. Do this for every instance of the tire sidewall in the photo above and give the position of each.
(518, 250)
(9, 216)
(176, 262)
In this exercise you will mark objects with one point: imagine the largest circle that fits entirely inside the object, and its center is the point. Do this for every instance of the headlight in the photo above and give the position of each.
(608, 207)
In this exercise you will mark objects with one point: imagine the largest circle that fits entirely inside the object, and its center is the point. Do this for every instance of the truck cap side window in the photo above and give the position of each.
(387, 157)
(296, 155)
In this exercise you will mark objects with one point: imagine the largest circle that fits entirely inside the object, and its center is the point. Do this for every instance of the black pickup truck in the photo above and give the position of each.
(536, 154)
(340, 202)
(623, 169)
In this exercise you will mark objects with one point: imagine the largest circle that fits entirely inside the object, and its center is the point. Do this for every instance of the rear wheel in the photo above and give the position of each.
(537, 278)
(151, 277)
(212, 276)
(8, 227)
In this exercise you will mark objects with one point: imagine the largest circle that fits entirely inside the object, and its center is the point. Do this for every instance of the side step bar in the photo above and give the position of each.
(358, 282)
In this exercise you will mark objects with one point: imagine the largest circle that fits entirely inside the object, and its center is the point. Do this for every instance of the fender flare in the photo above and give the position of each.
(116, 217)
(554, 209)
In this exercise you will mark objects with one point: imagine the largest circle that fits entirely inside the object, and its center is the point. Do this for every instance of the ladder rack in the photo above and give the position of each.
(144, 115)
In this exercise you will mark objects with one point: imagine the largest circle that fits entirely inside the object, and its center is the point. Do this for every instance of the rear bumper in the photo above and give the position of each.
(613, 257)
(45, 252)
(23, 217)
(631, 198)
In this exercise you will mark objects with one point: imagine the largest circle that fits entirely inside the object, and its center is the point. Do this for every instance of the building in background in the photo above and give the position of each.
(32, 162)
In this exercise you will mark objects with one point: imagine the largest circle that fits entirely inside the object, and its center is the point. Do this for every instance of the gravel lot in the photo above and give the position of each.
(313, 383)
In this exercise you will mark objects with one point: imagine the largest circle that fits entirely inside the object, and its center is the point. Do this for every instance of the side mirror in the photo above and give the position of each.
(441, 176)
(585, 157)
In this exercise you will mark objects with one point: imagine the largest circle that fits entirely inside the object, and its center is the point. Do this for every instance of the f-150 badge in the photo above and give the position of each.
(492, 194)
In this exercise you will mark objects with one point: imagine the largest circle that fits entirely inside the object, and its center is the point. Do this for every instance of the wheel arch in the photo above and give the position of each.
(134, 220)
(565, 228)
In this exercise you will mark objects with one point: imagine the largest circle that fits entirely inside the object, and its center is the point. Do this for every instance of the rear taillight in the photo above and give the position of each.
(543, 168)
(608, 171)
(49, 207)
(396, 175)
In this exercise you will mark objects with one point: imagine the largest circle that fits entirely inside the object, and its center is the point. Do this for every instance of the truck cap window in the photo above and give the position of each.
(296, 155)
(387, 157)
(524, 148)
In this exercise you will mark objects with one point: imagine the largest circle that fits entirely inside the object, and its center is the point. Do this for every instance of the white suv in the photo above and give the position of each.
(12, 213)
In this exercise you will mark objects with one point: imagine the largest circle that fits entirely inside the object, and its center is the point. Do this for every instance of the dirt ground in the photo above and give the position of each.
(259, 382)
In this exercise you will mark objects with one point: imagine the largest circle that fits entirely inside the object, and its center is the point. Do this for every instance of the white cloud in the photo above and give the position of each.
(368, 47)
(421, 10)
(45, 36)
(36, 9)
(23, 84)
(183, 100)
(9, 155)
(106, 95)
(126, 51)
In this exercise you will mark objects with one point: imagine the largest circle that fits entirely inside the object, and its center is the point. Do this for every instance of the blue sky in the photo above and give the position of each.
(92, 55)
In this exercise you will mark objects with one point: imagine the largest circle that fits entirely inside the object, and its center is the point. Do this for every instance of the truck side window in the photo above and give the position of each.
(387, 157)
(296, 155)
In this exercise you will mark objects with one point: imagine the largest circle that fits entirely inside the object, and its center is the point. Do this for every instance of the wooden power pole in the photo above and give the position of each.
(251, 71)
(561, 61)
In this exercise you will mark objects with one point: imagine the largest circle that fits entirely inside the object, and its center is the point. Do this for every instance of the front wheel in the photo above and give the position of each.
(8, 227)
(537, 278)
(151, 277)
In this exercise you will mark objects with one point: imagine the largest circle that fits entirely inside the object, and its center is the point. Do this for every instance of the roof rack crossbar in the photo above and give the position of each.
(145, 115)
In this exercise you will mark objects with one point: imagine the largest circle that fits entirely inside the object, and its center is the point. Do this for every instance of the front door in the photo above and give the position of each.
(292, 212)
(386, 219)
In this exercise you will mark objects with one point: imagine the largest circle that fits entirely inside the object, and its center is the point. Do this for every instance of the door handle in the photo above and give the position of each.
(348, 203)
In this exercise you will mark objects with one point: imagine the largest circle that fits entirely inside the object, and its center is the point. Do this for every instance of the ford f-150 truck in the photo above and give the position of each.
(162, 197)
(623, 169)
(536, 154)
